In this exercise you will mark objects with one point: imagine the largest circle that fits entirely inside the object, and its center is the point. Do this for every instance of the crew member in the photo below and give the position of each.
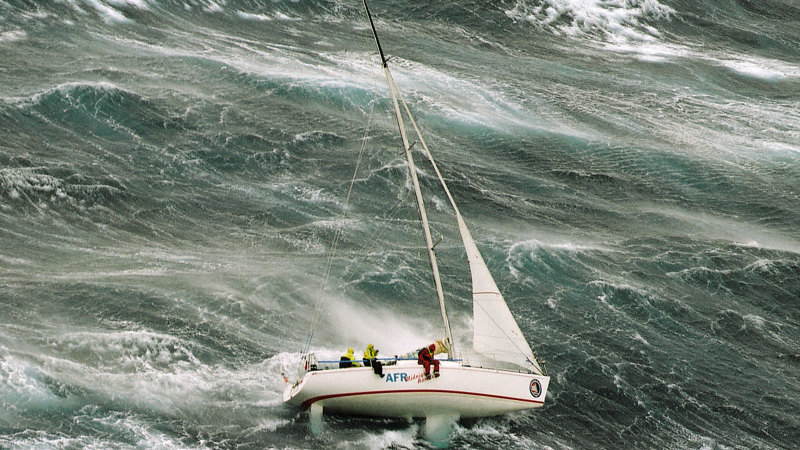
(348, 360)
(426, 359)
(371, 359)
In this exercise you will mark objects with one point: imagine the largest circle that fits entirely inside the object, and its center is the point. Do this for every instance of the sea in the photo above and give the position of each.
(193, 192)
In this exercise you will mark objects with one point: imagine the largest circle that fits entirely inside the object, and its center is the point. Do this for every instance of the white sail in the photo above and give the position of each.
(496, 333)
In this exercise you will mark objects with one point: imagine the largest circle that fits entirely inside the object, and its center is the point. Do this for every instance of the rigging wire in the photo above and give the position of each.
(339, 231)
(337, 236)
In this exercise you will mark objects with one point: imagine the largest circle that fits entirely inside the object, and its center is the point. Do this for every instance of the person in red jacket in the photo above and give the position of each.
(426, 359)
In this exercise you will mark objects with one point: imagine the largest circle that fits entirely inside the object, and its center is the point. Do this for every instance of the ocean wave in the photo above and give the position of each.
(173, 175)
(616, 20)
(127, 351)
(20, 389)
(56, 186)
(13, 35)
(102, 109)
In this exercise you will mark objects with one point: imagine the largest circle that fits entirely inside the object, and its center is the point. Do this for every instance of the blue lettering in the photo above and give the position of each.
(397, 377)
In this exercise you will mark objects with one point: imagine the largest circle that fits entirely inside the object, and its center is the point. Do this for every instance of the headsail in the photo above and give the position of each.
(496, 333)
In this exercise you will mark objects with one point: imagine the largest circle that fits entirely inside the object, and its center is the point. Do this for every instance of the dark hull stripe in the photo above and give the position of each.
(411, 391)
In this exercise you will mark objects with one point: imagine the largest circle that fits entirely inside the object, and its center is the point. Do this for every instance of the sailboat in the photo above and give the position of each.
(508, 377)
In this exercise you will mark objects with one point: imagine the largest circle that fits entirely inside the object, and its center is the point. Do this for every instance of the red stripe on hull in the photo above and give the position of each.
(414, 391)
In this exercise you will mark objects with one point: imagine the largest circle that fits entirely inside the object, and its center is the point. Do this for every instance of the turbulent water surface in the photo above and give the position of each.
(173, 174)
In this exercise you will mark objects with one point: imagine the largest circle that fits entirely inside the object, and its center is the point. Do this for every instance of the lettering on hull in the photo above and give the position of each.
(403, 377)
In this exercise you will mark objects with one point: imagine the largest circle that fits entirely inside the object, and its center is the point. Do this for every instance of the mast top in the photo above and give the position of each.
(375, 34)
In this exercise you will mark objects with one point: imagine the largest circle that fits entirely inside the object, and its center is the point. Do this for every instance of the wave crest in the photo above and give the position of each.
(34, 185)
(610, 19)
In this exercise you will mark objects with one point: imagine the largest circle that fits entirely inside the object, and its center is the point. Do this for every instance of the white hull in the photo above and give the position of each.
(460, 391)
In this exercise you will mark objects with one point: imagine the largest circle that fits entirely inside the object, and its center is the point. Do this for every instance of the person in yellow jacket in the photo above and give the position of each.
(371, 359)
(348, 360)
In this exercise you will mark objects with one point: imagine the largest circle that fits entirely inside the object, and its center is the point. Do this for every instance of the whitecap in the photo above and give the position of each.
(754, 69)
(638, 337)
(615, 19)
(390, 438)
(19, 387)
(108, 13)
(140, 4)
(650, 51)
(13, 35)
(756, 321)
(281, 16)
(257, 17)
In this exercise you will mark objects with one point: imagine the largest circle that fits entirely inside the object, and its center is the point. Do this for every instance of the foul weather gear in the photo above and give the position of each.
(371, 359)
(348, 360)
(426, 359)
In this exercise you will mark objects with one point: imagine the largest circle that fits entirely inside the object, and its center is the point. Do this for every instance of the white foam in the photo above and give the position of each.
(13, 35)
(160, 382)
(19, 389)
(615, 19)
(65, 88)
(389, 438)
(713, 227)
(140, 4)
(38, 439)
(638, 337)
(108, 13)
(18, 182)
(757, 321)
(764, 69)
(142, 356)
(281, 16)
(743, 64)
(257, 17)
(14, 261)
(781, 147)
(212, 6)
(651, 51)
(138, 430)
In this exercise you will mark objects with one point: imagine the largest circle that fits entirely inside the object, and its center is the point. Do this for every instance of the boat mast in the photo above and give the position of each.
(415, 181)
